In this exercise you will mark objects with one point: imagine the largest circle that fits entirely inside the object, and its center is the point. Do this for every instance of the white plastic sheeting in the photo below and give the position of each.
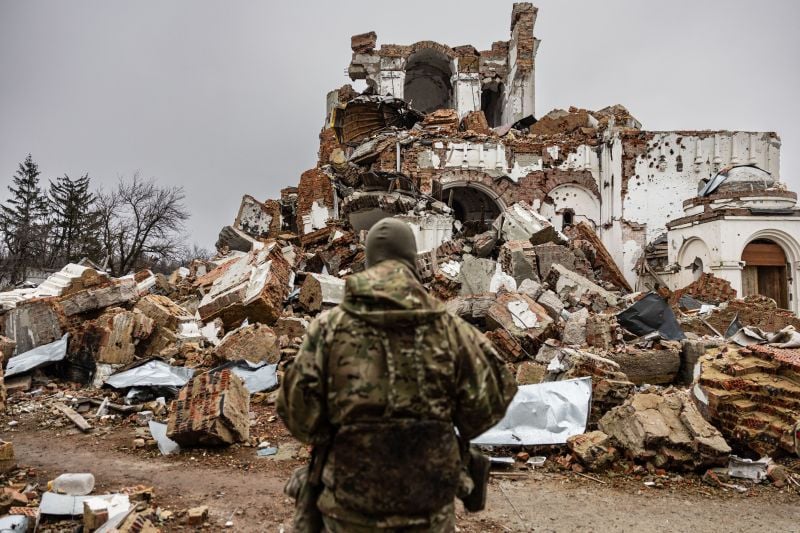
(39, 356)
(544, 413)
(151, 374)
(159, 432)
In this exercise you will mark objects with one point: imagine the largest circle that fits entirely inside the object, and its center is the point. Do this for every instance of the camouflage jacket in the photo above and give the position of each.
(357, 362)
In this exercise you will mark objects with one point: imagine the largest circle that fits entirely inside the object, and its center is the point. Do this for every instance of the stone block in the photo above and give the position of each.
(256, 343)
(254, 286)
(666, 430)
(521, 222)
(122, 291)
(519, 260)
(35, 323)
(363, 43)
(572, 287)
(550, 254)
(594, 449)
(6, 451)
(601, 331)
(530, 288)
(551, 303)
(522, 318)
(291, 326)
(476, 275)
(321, 291)
(211, 410)
(475, 121)
(113, 336)
(648, 366)
(530, 372)
(691, 352)
(574, 332)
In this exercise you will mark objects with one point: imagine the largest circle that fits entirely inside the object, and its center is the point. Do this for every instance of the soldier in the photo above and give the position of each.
(378, 387)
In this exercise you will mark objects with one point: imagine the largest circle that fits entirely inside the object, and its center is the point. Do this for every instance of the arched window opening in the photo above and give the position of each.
(492, 96)
(427, 85)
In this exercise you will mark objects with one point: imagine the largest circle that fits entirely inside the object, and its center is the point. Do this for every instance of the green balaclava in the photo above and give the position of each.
(392, 239)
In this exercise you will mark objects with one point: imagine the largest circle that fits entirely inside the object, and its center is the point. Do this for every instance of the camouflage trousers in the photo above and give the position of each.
(443, 521)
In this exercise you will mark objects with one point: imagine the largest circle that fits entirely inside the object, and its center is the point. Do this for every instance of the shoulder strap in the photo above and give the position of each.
(320, 453)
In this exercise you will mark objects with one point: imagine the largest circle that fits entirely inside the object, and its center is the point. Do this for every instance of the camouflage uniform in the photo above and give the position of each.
(391, 352)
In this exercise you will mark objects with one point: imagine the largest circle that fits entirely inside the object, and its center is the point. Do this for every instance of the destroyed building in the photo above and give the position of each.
(713, 199)
(640, 285)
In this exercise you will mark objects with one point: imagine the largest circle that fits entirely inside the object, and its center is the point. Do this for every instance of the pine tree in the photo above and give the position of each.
(23, 221)
(75, 223)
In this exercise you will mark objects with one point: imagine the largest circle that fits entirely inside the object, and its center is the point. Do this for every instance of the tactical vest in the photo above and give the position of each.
(394, 453)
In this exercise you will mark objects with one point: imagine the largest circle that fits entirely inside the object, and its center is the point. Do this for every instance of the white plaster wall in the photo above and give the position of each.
(477, 156)
(391, 82)
(693, 248)
(317, 218)
(570, 196)
(662, 182)
(726, 239)
(252, 217)
(467, 89)
(430, 230)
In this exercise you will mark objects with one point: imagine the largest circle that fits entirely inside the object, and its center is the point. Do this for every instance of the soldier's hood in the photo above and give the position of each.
(389, 294)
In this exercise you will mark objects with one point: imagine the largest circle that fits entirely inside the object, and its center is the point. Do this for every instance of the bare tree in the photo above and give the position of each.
(140, 221)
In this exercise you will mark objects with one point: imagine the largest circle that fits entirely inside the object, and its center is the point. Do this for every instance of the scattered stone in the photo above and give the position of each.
(521, 222)
(522, 318)
(593, 449)
(197, 515)
(652, 367)
(572, 287)
(530, 372)
(476, 275)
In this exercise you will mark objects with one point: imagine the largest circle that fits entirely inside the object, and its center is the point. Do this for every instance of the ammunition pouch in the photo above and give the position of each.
(396, 467)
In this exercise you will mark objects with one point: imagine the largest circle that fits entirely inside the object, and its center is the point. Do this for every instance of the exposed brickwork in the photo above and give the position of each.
(754, 395)
(315, 186)
(708, 289)
(363, 42)
(523, 18)
(211, 410)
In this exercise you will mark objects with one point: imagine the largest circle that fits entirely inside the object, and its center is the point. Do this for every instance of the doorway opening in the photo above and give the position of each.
(765, 271)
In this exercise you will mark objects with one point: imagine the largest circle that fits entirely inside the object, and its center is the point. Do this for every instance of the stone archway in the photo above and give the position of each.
(427, 85)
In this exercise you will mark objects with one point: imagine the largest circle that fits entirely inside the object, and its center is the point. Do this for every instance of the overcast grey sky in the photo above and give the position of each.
(227, 97)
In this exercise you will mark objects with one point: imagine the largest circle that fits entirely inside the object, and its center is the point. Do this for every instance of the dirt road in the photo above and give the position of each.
(247, 490)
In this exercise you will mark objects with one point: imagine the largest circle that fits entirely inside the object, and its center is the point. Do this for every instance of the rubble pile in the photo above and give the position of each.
(752, 394)
(666, 429)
